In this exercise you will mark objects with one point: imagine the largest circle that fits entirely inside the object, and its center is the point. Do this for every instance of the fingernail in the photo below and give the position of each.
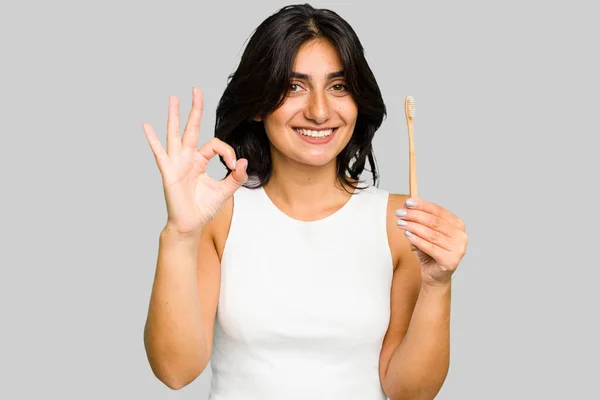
(408, 233)
(410, 203)
(401, 222)
(233, 163)
(401, 212)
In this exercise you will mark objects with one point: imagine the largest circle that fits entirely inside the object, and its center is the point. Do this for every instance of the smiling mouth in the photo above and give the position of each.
(315, 133)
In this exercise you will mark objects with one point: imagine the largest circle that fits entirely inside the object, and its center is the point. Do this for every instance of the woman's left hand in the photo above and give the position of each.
(439, 236)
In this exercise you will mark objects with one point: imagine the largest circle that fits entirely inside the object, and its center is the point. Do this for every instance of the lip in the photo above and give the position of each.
(312, 140)
(315, 129)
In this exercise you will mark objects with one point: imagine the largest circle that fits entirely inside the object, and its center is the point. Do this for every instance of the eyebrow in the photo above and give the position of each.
(306, 77)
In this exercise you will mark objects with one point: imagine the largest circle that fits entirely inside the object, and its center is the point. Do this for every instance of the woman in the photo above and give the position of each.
(293, 277)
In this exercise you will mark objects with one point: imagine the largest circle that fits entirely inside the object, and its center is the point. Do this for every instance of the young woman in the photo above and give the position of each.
(293, 277)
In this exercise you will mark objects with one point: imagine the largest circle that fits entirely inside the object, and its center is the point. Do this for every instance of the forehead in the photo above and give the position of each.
(317, 57)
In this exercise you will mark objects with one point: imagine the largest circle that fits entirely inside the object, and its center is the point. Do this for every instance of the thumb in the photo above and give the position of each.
(237, 177)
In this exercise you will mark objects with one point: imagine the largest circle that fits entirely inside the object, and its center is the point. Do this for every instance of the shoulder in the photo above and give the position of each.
(218, 228)
(220, 225)
(399, 245)
(396, 201)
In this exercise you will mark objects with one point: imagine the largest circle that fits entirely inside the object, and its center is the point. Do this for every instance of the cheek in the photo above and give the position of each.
(273, 124)
(276, 129)
(348, 110)
(280, 117)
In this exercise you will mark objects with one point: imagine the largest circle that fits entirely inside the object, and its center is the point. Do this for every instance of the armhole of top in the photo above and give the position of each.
(231, 230)
(385, 195)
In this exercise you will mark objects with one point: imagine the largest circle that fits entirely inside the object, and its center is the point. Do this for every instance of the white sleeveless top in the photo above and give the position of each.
(303, 306)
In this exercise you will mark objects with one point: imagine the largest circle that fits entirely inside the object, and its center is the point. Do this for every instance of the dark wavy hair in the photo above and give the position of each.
(261, 82)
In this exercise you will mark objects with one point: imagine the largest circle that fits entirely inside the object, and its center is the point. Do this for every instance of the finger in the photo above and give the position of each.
(192, 127)
(173, 140)
(216, 146)
(429, 220)
(436, 252)
(428, 234)
(237, 177)
(159, 153)
(431, 208)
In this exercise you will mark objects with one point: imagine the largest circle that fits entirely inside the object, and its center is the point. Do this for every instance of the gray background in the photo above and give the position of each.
(506, 135)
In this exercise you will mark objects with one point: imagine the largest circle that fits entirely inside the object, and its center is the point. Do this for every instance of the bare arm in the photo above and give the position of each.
(419, 364)
(415, 353)
(178, 331)
(179, 326)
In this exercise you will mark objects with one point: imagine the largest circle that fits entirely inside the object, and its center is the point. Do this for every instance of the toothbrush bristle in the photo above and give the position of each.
(411, 106)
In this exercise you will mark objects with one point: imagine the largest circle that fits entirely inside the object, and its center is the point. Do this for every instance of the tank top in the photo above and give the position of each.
(303, 306)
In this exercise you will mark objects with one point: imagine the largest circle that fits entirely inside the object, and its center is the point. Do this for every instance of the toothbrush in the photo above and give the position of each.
(409, 106)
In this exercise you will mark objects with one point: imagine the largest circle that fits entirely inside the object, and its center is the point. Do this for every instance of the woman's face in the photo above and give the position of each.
(317, 119)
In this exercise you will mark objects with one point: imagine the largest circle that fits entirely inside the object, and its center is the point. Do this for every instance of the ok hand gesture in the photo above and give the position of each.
(193, 198)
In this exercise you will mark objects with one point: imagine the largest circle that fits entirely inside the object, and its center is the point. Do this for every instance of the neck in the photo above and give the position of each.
(300, 186)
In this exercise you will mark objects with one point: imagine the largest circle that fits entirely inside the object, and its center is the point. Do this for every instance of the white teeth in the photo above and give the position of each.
(314, 134)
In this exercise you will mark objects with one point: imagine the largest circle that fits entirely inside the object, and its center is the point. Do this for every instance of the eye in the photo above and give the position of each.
(294, 87)
(340, 87)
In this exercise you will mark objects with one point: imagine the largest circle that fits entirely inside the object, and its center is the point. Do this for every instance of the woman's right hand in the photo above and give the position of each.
(193, 198)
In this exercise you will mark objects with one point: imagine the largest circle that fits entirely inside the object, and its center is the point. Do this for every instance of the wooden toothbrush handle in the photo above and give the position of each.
(412, 168)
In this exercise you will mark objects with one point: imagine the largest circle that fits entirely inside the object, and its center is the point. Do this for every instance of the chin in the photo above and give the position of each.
(319, 162)
(315, 160)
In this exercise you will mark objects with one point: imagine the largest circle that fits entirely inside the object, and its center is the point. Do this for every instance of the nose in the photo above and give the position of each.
(317, 108)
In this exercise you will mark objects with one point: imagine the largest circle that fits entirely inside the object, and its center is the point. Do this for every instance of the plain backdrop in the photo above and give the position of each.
(506, 135)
